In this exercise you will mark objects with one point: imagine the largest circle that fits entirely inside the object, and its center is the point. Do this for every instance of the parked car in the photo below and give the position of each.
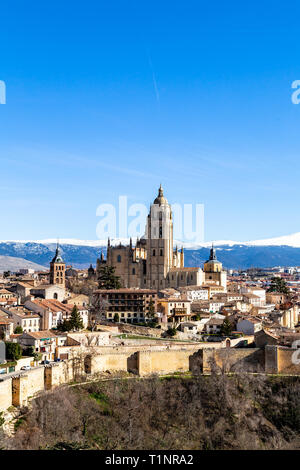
(45, 362)
(58, 359)
(25, 368)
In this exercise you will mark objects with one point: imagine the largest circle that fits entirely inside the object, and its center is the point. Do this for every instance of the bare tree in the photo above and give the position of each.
(99, 307)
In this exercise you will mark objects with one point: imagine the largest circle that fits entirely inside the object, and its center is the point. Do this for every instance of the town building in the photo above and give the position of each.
(42, 342)
(28, 321)
(131, 305)
(175, 310)
(52, 312)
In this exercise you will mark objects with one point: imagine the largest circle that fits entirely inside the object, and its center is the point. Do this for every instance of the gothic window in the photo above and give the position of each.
(153, 252)
(161, 252)
(160, 232)
(55, 296)
(119, 259)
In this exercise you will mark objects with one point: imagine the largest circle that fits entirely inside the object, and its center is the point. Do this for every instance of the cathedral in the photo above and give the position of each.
(153, 263)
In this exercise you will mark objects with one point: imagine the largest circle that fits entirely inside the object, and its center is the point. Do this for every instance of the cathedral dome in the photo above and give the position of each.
(212, 264)
(160, 199)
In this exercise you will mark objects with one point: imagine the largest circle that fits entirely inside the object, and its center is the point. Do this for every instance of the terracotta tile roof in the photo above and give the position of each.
(215, 321)
(125, 291)
(9, 300)
(5, 291)
(53, 305)
(24, 284)
(5, 321)
(40, 334)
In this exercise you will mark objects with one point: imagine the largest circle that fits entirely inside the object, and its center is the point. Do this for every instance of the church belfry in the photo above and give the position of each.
(58, 269)
(159, 236)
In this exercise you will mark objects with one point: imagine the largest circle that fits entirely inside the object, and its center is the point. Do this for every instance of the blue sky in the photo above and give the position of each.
(112, 98)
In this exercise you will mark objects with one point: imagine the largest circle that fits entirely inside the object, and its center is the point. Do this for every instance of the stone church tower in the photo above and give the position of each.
(213, 270)
(159, 242)
(58, 269)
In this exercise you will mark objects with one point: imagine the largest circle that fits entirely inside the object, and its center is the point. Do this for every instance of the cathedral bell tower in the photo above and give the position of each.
(159, 236)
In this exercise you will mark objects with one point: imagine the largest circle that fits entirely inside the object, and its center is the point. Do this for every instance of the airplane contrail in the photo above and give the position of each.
(154, 82)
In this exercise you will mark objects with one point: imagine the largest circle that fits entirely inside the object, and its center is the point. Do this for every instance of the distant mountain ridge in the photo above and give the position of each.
(233, 255)
(292, 240)
(10, 263)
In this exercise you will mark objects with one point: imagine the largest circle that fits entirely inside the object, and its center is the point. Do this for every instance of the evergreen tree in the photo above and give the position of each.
(107, 278)
(65, 325)
(75, 319)
(171, 331)
(278, 285)
(18, 330)
(13, 351)
(116, 317)
(226, 328)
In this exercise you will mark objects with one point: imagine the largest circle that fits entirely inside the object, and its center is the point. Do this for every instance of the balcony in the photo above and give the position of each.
(180, 311)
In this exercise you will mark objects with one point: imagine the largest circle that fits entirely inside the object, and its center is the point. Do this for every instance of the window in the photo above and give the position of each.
(133, 271)
(153, 254)
(119, 259)
(161, 252)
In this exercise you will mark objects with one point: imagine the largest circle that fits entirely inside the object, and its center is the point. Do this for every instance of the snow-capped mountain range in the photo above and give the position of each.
(280, 251)
(292, 240)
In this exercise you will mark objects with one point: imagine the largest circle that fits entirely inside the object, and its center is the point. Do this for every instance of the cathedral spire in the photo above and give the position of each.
(160, 199)
(57, 257)
(212, 253)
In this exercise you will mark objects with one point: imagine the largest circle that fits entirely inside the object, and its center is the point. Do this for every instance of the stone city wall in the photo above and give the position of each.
(18, 388)
(282, 360)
